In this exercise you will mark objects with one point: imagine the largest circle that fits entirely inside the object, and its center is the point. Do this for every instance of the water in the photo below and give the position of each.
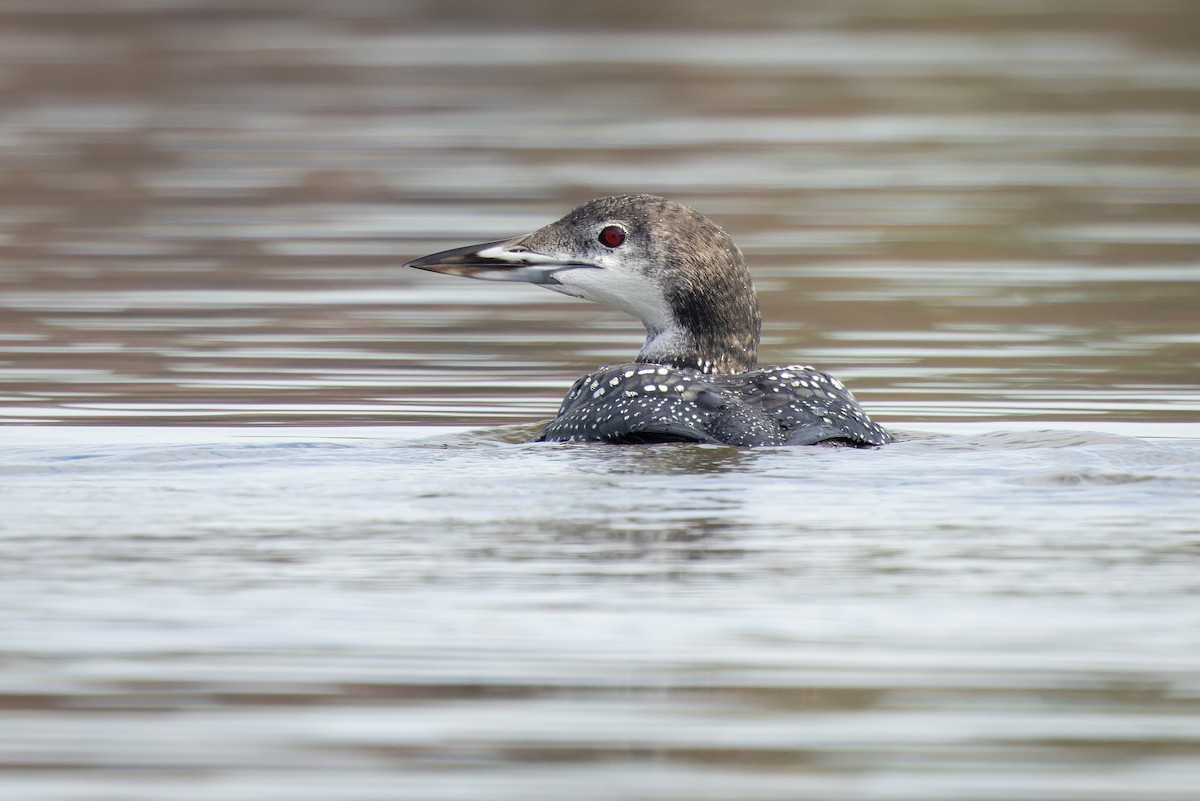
(270, 524)
(391, 613)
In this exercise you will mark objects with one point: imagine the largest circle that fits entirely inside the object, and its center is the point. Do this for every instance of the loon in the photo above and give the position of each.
(694, 378)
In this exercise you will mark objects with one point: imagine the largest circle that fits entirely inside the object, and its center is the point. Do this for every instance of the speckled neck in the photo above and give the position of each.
(715, 321)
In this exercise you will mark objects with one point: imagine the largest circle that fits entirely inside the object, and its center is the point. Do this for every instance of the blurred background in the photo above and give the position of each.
(966, 210)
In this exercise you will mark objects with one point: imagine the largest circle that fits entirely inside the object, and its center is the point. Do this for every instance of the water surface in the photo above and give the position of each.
(270, 523)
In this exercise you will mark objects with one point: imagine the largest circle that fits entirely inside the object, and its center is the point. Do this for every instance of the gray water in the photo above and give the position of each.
(270, 523)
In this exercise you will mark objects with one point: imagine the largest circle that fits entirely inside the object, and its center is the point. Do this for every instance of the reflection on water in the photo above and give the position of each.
(367, 615)
(963, 212)
(985, 218)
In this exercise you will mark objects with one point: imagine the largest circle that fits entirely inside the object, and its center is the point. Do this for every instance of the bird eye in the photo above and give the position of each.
(612, 236)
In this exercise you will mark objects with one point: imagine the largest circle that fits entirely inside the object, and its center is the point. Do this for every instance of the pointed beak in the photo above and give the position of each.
(504, 260)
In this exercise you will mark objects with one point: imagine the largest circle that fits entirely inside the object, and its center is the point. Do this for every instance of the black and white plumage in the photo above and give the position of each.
(693, 380)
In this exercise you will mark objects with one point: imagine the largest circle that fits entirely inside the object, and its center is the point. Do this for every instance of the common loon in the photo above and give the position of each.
(694, 378)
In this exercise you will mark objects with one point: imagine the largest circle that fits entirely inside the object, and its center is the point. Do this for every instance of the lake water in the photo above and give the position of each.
(270, 523)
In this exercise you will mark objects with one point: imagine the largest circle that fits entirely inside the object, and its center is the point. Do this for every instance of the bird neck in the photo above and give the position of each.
(709, 331)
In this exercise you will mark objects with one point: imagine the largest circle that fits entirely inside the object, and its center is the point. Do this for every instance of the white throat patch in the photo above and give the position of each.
(631, 293)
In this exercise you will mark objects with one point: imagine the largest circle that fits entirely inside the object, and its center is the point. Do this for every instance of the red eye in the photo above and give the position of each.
(612, 236)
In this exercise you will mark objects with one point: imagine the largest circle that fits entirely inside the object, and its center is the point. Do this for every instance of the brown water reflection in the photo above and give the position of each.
(965, 213)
